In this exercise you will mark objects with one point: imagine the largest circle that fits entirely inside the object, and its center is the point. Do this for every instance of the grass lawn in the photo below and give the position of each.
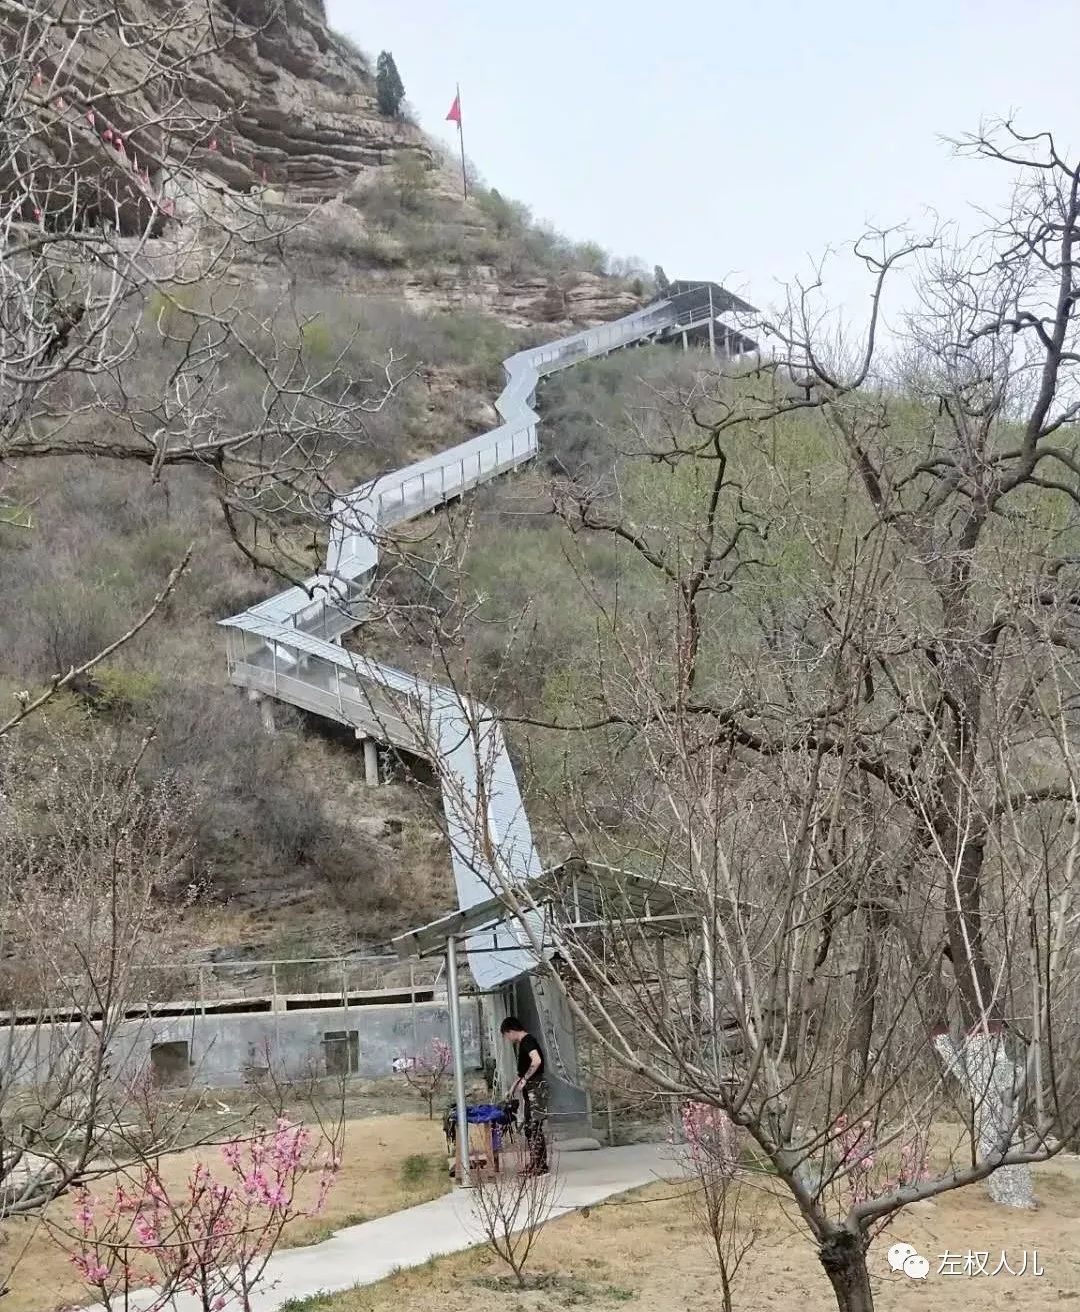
(389, 1162)
(638, 1251)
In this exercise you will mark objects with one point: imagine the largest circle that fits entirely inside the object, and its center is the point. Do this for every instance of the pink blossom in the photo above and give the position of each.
(196, 1238)
(84, 1211)
(90, 1268)
(146, 1231)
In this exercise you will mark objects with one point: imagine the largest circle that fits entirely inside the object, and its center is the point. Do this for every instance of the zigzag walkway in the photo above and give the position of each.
(289, 646)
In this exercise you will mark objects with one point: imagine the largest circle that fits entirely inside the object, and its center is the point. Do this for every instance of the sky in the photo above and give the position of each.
(739, 143)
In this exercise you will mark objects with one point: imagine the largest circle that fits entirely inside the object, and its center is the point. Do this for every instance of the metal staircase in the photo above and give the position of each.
(288, 647)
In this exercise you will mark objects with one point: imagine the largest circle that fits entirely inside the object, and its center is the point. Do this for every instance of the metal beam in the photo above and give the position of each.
(457, 1049)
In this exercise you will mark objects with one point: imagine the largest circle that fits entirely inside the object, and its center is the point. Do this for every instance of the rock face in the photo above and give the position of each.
(249, 92)
(262, 98)
(332, 246)
(309, 117)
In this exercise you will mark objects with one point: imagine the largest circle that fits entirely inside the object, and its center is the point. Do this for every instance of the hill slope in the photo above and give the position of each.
(375, 251)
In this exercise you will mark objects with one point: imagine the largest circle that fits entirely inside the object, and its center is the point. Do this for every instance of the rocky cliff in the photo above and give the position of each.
(131, 119)
(248, 91)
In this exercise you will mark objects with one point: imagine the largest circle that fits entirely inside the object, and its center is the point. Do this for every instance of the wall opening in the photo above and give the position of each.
(341, 1050)
(169, 1063)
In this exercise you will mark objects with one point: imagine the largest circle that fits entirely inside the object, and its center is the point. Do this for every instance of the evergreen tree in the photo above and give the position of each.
(389, 89)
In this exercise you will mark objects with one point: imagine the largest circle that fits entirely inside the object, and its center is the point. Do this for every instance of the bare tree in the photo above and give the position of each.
(709, 1155)
(128, 331)
(838, 721)
(511, 1208)
(89, 857)
(429, 1071)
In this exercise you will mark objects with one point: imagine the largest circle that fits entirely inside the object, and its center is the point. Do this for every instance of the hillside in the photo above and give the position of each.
(366, 249)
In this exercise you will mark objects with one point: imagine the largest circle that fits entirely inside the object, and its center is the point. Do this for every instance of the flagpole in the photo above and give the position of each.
(461, 141)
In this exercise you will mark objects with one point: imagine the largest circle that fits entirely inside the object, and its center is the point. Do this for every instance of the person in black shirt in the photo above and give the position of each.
(532, 1086)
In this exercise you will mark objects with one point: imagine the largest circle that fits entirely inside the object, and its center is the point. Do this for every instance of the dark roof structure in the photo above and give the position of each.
(694, 299)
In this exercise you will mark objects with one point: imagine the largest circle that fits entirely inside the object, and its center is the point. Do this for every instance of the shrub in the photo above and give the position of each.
(411, 182)
(120, 689)
(509, 216)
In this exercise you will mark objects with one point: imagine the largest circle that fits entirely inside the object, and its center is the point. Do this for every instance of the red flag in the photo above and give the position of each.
(455, 111)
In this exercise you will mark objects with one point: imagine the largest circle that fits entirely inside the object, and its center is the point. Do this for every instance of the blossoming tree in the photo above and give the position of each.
(212, 1236)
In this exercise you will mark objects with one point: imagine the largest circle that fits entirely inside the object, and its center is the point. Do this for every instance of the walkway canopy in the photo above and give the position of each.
(574, 898)
(577, 898)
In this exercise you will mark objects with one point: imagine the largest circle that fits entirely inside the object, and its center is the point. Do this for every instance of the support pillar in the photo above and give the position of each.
(457, 1049)
(371, 762)
(712, 327)
(685, 343)
(371, 758)
(266, 709)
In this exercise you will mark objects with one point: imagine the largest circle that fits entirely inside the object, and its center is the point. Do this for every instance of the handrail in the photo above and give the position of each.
(287, 647)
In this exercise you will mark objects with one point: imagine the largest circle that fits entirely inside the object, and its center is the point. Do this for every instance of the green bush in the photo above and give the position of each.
(508, 216)
(411, 180)
(418, 1168)
(121, 689)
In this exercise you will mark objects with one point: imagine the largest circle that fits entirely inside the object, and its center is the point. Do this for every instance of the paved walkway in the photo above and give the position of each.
(363, 1254)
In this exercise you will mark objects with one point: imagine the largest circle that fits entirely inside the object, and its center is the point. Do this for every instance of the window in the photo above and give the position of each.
(341, 1049)
(169, 1063)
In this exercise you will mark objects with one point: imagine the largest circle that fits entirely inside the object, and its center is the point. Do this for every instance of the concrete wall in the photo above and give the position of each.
(546, 1014)
(223, 1049)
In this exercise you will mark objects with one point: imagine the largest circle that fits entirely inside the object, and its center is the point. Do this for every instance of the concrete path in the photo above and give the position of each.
(363, 1254)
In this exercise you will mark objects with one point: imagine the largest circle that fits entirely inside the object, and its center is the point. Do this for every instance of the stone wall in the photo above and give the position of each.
(224, 1051)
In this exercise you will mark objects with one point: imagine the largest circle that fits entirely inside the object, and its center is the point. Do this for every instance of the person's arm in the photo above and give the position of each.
(534, 1065)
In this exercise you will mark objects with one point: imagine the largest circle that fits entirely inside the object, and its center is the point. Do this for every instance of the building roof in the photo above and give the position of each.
(693, 297)
(576, 896)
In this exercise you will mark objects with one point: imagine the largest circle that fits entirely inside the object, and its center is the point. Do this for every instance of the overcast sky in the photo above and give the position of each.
(731, 141)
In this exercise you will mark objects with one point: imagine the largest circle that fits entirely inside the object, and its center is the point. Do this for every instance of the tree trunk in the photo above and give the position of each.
(843, 1255)
(991, 1080)
(867, 984)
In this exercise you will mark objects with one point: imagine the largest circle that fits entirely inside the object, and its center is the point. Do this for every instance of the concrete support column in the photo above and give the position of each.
(712, 326)
(266, 709)
(685, 344)
(371, 762)
(371, 758)
(457, 1048)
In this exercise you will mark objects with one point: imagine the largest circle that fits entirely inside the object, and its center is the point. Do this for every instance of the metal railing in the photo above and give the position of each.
(278, 981)
(285, 647)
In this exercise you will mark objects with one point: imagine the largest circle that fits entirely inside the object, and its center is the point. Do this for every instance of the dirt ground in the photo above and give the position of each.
(638, 1252)
(374, 1180)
